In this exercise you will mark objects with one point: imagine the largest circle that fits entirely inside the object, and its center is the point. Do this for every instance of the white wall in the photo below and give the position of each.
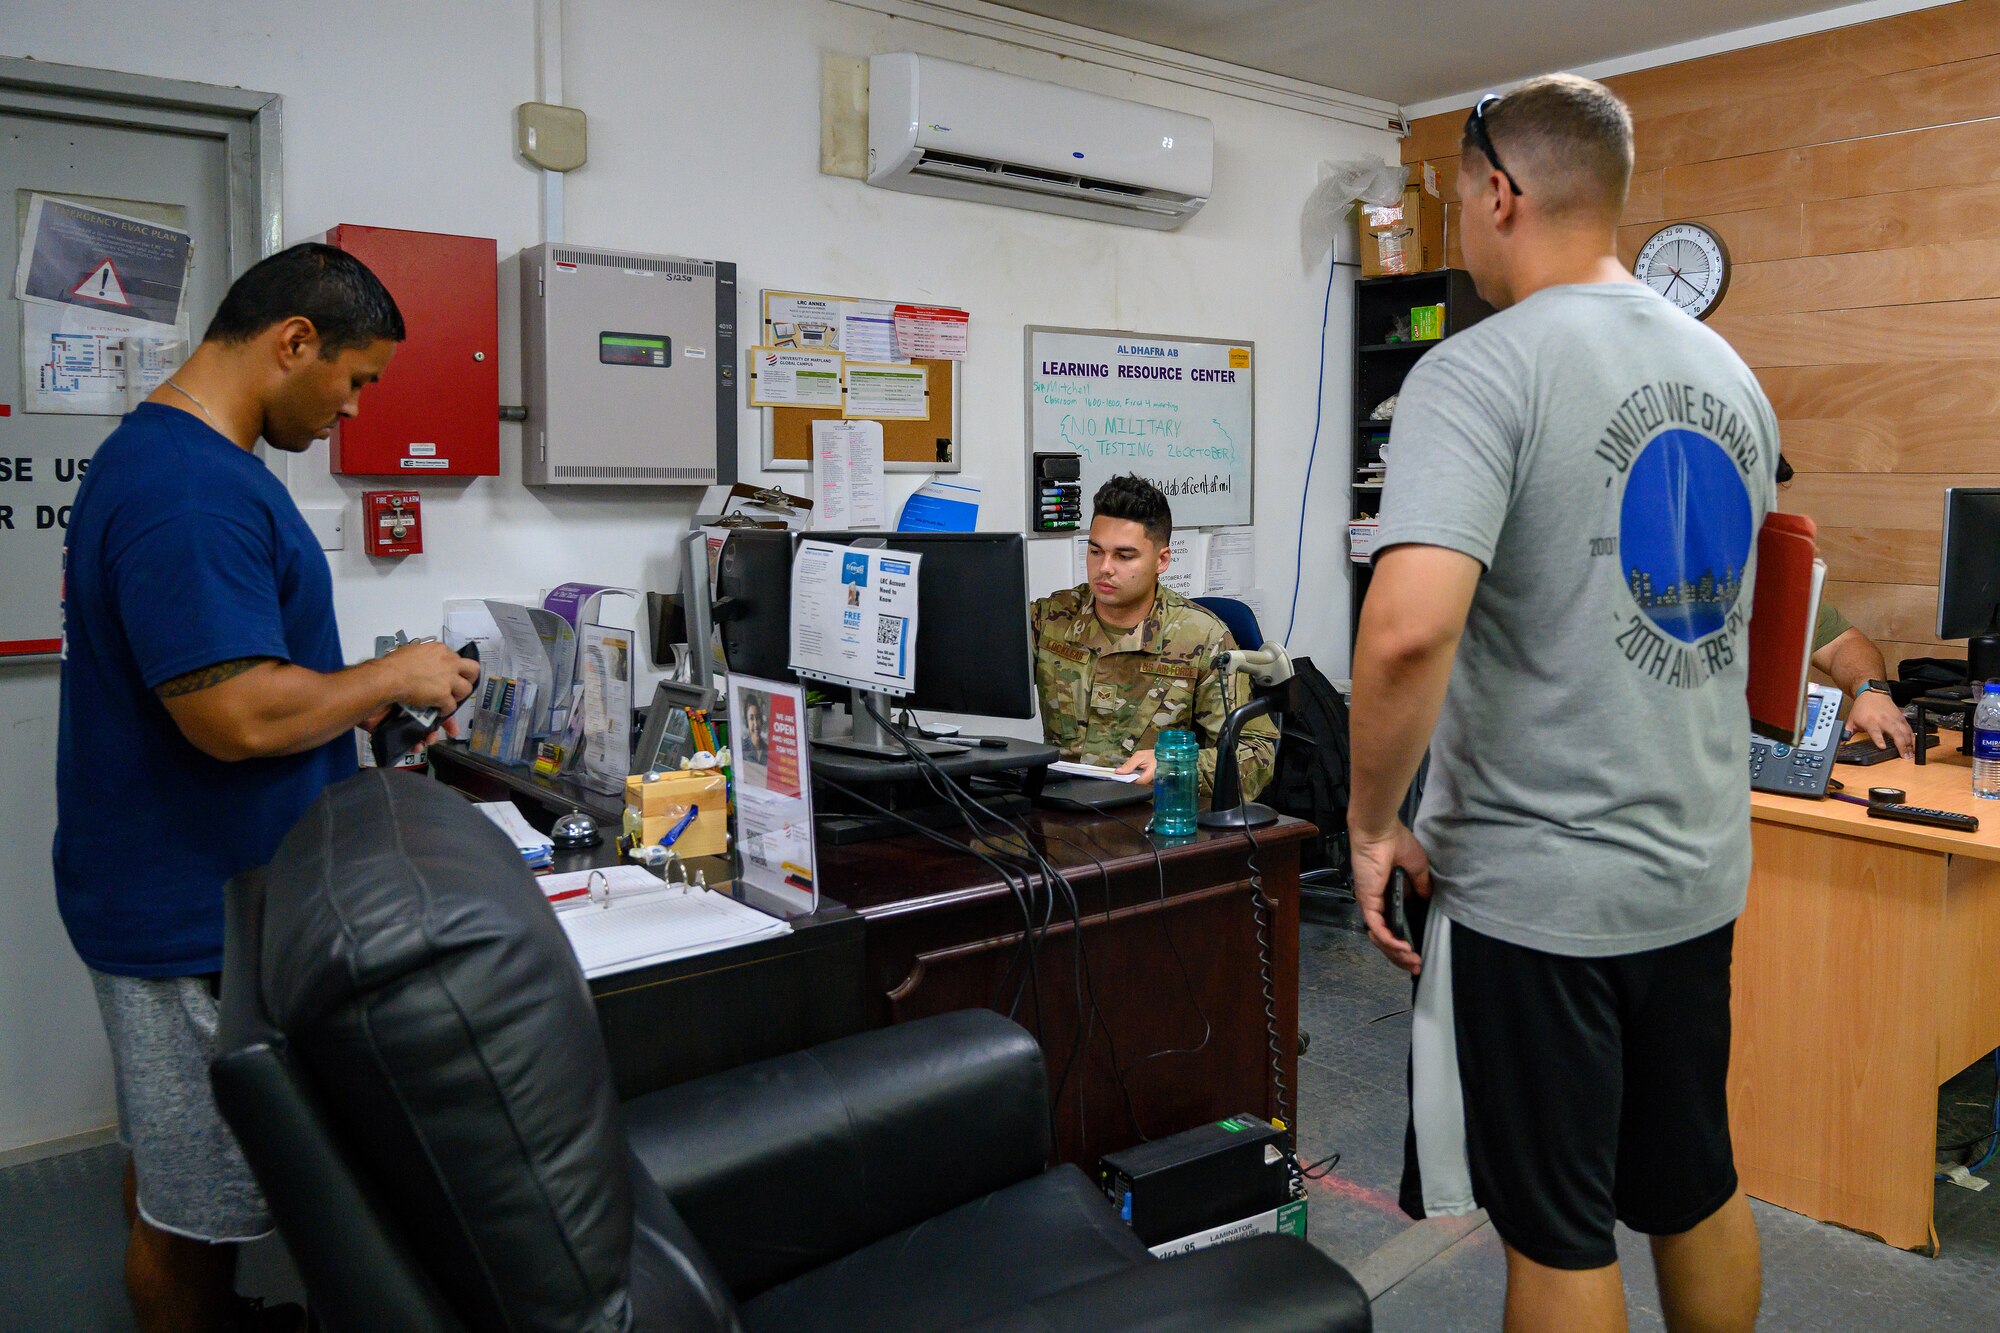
(704, 130)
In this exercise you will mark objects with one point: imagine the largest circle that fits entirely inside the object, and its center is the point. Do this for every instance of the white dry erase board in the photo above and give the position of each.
(1176, 411)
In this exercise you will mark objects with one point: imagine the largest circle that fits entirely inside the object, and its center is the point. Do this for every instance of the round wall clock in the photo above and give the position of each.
(1686, 263)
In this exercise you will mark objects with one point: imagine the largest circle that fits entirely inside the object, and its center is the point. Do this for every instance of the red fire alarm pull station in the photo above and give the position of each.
(436, 410)
(392, 522)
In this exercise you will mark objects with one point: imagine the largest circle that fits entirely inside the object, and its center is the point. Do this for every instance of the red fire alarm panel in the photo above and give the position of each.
(392, 522)
(436, 410)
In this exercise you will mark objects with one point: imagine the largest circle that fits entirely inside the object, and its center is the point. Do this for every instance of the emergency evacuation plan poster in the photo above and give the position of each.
(103, 298)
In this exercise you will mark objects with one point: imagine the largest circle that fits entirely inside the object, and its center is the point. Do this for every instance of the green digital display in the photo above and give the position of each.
(635, 349)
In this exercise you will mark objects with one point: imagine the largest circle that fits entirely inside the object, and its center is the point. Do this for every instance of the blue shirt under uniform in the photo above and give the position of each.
(184, 551)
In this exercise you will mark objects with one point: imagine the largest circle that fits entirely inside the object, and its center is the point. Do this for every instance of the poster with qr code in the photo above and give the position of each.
(854, 616)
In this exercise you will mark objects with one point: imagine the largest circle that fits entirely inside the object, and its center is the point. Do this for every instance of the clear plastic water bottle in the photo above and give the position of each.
(1176, 778)
(1986, 743)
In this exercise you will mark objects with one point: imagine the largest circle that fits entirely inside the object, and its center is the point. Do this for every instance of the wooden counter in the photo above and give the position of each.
(1867, 973)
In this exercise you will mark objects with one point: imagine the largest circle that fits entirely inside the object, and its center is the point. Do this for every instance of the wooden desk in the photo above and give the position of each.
(1867, 973)
(681, 1020)
(944, 933)
(940, 931)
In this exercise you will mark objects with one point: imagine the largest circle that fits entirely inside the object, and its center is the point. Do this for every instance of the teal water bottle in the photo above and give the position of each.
(1175, 781)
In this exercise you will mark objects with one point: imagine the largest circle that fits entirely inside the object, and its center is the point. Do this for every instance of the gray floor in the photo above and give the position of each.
(59, 1263)
(1437, 1277)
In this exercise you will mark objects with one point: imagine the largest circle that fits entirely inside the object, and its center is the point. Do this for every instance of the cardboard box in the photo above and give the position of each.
(1406, 237)
(1361, 540)
(653, 808)
(1289, 1220)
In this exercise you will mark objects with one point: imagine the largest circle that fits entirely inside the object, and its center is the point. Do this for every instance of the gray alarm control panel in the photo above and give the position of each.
(628, 368)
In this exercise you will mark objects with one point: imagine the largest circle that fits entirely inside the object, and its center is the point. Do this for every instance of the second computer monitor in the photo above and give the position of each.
(975, 651)
(1969, 574)
(753, 603)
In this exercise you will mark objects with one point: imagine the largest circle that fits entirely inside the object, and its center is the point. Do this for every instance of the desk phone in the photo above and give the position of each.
(1802, 769)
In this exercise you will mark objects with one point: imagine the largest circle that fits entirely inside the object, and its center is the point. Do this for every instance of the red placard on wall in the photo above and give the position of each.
(436, 410)
(392, 523)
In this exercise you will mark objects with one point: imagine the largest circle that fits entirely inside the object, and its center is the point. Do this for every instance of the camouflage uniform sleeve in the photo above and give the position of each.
(1256, 748)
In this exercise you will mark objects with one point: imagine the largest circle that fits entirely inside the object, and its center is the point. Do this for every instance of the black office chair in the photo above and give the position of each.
(409, 1058)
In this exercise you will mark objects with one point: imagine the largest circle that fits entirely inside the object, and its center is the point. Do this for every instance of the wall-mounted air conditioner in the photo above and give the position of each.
(936, 127)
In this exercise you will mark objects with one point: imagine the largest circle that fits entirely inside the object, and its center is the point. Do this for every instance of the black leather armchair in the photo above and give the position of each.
(409, 1058)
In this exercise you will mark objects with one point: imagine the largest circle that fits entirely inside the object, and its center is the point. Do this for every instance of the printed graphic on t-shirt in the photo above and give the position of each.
(1684, 533)
(1685, 526)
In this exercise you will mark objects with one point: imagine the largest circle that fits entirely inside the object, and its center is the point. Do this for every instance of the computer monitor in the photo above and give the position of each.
(753, 603)
(1969, 576)
(975, 650)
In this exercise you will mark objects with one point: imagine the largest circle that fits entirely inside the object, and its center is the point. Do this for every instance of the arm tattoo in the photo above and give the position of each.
(208, 677)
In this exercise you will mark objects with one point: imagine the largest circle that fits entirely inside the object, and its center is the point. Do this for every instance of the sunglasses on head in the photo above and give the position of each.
(1475, 125)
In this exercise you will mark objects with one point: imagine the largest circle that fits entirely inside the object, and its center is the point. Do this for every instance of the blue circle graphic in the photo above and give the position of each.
(1684, 532)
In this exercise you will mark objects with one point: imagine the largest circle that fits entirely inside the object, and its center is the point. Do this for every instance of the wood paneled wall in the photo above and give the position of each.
(1855, 177)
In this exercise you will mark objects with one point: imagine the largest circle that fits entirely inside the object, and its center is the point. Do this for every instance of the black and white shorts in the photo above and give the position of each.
(1562, 1094)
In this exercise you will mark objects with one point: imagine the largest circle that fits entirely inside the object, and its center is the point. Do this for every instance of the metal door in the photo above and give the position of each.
(54, 1068)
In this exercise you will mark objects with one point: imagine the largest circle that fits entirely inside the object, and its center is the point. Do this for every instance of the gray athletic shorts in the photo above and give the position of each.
(193, 1180)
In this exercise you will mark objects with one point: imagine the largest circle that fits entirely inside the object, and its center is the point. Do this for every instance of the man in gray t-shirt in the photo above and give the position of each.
(1563, 583)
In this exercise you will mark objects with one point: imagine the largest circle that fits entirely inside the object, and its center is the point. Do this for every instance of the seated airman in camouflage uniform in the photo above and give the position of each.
(1120, 659)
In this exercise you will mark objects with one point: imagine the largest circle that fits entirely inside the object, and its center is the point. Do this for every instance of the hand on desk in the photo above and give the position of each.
(1373, 859)
(1876, 714)
(1140, 763)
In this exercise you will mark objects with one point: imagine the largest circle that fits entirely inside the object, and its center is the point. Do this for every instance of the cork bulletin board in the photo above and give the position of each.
(909, 444)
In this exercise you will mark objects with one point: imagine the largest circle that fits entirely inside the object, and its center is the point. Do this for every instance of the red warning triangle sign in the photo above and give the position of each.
(103, 285)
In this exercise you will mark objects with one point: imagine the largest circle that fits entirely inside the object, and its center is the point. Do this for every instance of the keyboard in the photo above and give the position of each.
(1864, 753)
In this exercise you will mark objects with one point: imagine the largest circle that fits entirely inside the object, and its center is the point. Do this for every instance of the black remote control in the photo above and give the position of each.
(1917, 814)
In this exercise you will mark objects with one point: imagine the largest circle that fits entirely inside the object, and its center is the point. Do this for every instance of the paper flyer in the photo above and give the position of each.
(943, 504)
(782, 377)
(868, 331)
(102, 296)
(541, 648)
(75, 255)
(607, 707)
(793, 319)
(848, 475)
(937, 333)
(1183, 572)
(880, 389)
(772, 768)
(1231, 556)
(854, 616)
(579, 603)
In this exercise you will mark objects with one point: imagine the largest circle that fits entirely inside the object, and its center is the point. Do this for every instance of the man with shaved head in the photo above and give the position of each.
(1562, 588)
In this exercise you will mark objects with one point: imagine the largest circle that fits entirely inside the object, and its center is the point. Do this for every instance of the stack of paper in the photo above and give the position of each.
(1069, 768)
(639, 925)
(535, 848)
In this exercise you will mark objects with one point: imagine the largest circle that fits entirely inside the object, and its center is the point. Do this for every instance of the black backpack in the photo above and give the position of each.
(1311, 778)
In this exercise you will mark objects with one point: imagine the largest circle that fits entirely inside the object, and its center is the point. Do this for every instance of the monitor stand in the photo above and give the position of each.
(871, 740)
(1982, 653)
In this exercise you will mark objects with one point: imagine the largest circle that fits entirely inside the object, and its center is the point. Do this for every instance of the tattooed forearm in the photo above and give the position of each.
(208, 677)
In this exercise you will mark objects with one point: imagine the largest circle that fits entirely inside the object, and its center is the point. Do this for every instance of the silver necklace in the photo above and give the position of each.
(203, 407)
